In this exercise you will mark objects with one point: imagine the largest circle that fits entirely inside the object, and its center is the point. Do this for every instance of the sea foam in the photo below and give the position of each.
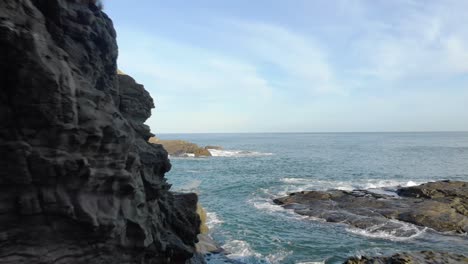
(352, 184)
(242, 251)
(237, 153)
(213, 220)
(406, 231)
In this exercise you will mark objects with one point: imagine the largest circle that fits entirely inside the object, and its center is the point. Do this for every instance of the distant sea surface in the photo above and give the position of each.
(237, 186)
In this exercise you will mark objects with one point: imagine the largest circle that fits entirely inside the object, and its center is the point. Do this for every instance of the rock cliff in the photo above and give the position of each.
(79, 183)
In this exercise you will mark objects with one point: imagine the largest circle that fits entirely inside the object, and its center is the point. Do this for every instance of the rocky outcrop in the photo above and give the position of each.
(206, 245)
(182, 148)
(423, 257)
(79, 183)
(436, 190)
(135, 104)
(442, 206)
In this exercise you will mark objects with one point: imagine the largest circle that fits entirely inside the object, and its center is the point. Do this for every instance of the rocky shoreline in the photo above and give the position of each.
(428, 257)
(441, 206)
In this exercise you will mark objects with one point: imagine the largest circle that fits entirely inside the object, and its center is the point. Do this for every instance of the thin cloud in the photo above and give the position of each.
(421, 42)
(182, 69)
(303, 62)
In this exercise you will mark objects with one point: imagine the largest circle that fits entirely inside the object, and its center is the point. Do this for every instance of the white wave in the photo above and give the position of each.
(266, 205)
(411, 183)
(375, 184)
(314, 184)
(352, 184)
(311, 262)
(182, 155)
(236, 153)
(242, 251)
(405, 231)
(278, 256)
(296, 180)
(239, 249)
(212, 220)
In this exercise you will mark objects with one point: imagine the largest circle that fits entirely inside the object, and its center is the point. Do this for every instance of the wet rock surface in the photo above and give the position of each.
(79, 183)
(427, 257)
(442, 206)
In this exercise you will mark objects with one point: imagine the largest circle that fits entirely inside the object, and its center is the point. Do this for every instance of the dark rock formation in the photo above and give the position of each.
(442, 206)
(436, 190)
(79, 183)
(135, 104)
(423, 257)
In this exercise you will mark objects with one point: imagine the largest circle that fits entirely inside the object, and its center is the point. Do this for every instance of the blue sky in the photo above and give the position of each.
(298, 65)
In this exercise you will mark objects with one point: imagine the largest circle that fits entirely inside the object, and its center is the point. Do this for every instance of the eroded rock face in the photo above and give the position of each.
(442, 206)
(78, 181)
(423, 257)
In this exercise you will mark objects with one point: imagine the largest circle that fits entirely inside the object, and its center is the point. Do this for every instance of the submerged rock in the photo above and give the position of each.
(442, 206)
(423, 257)
(79, 183)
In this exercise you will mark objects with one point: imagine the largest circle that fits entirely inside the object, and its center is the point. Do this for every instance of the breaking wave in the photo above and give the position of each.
(242, 251)
(212, 220)
(237, 153)
(355, 184)
(401, 231)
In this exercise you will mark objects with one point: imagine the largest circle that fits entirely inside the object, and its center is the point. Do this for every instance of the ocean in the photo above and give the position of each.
(236, 187)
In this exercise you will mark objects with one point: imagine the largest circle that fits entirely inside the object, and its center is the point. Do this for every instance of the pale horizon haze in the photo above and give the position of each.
(297, 66)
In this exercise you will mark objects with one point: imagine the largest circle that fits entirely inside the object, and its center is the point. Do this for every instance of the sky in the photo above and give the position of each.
(297, 65)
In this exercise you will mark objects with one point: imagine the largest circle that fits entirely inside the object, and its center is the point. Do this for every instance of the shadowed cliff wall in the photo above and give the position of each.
(78, 181)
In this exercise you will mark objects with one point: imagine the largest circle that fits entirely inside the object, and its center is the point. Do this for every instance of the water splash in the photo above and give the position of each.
(237, 153)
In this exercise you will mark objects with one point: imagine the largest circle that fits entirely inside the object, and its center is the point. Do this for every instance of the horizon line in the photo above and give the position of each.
(316, 132)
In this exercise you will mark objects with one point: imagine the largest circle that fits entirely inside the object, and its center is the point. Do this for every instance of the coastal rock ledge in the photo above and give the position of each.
(442, 206)
(79, 183)
(428, 257)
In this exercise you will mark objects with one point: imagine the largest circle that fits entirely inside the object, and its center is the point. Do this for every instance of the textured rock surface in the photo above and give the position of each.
(180, 148)
(423, 257)
(205, 244)
(78, 181)
(442, 206)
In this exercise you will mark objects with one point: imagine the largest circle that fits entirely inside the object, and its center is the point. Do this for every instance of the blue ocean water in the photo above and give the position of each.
(237, 186)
